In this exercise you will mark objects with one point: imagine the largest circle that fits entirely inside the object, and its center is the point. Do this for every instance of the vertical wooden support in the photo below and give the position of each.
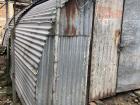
(13, 58)
(106, 39)
(7, 11)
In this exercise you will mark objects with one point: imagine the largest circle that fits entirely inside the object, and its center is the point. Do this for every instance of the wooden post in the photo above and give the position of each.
(13, 58)
(7, 16)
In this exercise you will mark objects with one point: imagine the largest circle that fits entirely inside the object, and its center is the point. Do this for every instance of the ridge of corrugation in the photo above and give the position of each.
(30, 74)
(28, 77)
(31, 35)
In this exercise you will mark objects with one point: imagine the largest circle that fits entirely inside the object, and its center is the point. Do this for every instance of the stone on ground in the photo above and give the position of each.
(137, 92)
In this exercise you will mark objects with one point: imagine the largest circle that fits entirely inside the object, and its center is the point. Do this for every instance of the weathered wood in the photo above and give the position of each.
(129, 66)
(106, 38)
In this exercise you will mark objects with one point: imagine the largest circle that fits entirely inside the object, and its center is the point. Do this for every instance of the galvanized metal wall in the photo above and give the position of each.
(129, 66)
(45, 76)
(31, 68)
(106, 38)
(52, 68)
(31, 37)
(73, 53)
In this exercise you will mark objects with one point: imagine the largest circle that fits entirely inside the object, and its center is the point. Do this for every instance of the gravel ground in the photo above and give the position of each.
(128, 98)
(5, 100)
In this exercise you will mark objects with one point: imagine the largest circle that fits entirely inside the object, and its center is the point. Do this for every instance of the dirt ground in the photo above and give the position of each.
(5, 84)
(129, 98)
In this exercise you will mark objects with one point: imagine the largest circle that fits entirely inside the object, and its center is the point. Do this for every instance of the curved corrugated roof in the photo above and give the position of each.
(33, 25)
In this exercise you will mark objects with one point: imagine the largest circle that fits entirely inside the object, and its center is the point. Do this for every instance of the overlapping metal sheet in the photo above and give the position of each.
(71, 72)
(73, 54)
(45, 76)
(51, 68)
(31, 35)
(34, 53)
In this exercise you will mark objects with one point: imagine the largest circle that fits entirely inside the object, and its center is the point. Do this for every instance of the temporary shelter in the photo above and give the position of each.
(72, 52)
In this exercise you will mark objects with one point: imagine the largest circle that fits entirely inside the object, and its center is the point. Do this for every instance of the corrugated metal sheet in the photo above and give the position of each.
(106, 38)
(72, 66)
(73, 54)
(45, 77)
(71, 72)
(129, 65)
(31, 36)
(54, 72)
(71, 78)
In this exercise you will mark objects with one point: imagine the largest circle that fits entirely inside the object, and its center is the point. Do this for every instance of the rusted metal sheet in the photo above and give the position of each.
(73, 19)
(106, 38)
(34, 54)
(32, 32)
(129, 64)
(73, 54)
(71, 15)
(52, 67)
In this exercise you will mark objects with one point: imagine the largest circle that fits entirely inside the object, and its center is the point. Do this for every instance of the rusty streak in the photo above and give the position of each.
(70, 14)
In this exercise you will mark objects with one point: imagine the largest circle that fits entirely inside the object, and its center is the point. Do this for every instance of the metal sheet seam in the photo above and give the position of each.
(22, 43)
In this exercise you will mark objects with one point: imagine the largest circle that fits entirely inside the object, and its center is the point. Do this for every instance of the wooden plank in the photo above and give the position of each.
(106, 38)
(129, 66)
